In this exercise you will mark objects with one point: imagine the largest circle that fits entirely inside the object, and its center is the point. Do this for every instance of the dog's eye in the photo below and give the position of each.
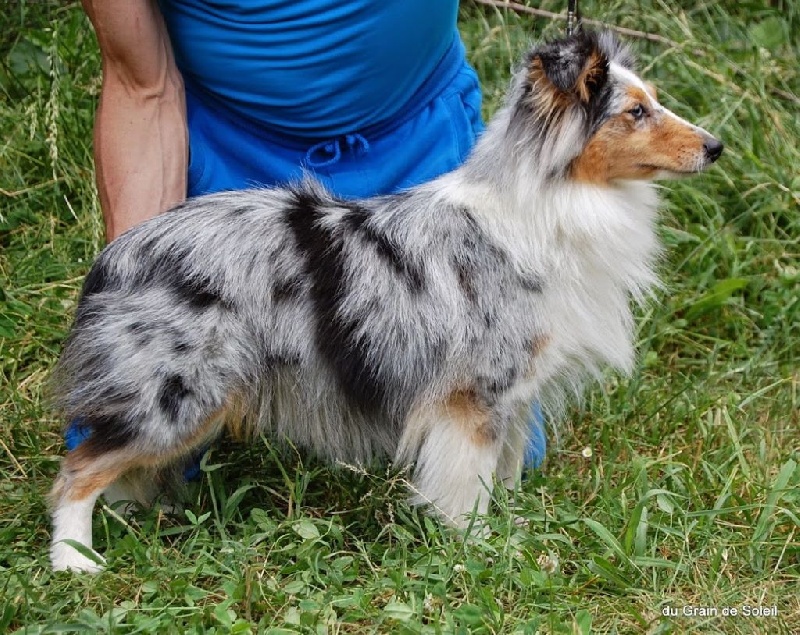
(638, 111)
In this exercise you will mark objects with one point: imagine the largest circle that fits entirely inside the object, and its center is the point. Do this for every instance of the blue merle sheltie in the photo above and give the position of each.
(418, 326)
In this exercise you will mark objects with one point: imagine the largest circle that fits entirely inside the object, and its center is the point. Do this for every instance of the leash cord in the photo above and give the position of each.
(573, 16)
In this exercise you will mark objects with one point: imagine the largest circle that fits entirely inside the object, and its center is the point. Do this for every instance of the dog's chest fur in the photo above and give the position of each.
(593, 251)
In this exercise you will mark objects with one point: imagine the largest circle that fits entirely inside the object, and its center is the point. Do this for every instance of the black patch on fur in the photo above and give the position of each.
(274, 361)
(564, 60)
(492, 386)
(173, 271)
(597, 110)
(148, 252)
(108, 433)
(171, 395)
(157, 265)
(137, 328)
(336, 338)
(241, 211)
(531, 282)
(172, 268)
(359, 220)
(477, 239)
(141, 333)
(476, 259)
(182, 346)
(98, 279)
(199, 293)
(287, 290)
(144, 340)
(464, 272)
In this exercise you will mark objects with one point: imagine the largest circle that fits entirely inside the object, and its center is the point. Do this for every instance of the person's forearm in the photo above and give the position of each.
(140, 148)
(140, 138)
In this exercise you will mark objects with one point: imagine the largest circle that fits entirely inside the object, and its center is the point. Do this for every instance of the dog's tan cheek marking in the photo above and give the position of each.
(662, 140)
(604, 157)
(473, 415)
(618, 148)
(621, 149)
(591, 165)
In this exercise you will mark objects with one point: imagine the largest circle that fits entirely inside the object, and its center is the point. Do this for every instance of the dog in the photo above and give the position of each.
(418, 326)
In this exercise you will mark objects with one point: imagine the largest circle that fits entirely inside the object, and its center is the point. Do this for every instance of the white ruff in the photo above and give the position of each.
(594, 247)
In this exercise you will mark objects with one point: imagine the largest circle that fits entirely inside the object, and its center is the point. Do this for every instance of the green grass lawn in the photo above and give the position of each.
(677, 487)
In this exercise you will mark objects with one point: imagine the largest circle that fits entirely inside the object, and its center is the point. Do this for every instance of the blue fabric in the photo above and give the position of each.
(230, 152)
(537, 445)
(76, 433)
(311, 68)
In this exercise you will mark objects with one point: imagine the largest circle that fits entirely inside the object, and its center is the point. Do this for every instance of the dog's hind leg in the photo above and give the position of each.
(85, 473)
(456, 446)
(141, 488)
(121, 474)
(107, 461)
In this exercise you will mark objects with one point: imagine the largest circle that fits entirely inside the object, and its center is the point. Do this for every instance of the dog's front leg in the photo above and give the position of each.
(455, 445)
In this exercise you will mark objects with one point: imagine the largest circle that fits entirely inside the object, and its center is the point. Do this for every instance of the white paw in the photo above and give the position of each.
(66, 558)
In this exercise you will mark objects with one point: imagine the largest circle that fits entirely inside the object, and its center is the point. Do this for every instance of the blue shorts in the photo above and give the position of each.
(434, 136)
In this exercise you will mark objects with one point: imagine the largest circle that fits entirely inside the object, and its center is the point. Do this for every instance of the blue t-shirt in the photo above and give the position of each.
(311, 68)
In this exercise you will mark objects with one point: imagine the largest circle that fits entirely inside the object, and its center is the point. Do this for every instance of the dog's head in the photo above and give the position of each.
(594, 120)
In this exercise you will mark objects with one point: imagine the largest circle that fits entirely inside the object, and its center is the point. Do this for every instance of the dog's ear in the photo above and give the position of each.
(574, 67)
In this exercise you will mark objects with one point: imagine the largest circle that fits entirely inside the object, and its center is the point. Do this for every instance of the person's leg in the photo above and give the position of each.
(537, 445)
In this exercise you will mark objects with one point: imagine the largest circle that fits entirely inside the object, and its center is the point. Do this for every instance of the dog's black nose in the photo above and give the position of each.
(713, 149)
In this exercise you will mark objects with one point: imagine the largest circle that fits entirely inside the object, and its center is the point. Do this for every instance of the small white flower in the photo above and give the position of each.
(548, 563)
(459, 568)
(586, 453)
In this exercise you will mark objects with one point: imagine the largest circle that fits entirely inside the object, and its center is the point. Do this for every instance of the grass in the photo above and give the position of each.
(678, 486)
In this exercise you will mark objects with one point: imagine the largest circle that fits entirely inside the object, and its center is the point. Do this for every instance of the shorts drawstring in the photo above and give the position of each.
(326, 153)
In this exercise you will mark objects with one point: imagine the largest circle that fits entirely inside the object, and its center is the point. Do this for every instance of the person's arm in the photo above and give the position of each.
(140, 137)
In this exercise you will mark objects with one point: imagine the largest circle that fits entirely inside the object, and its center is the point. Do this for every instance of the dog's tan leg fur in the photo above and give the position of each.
(456, 450)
